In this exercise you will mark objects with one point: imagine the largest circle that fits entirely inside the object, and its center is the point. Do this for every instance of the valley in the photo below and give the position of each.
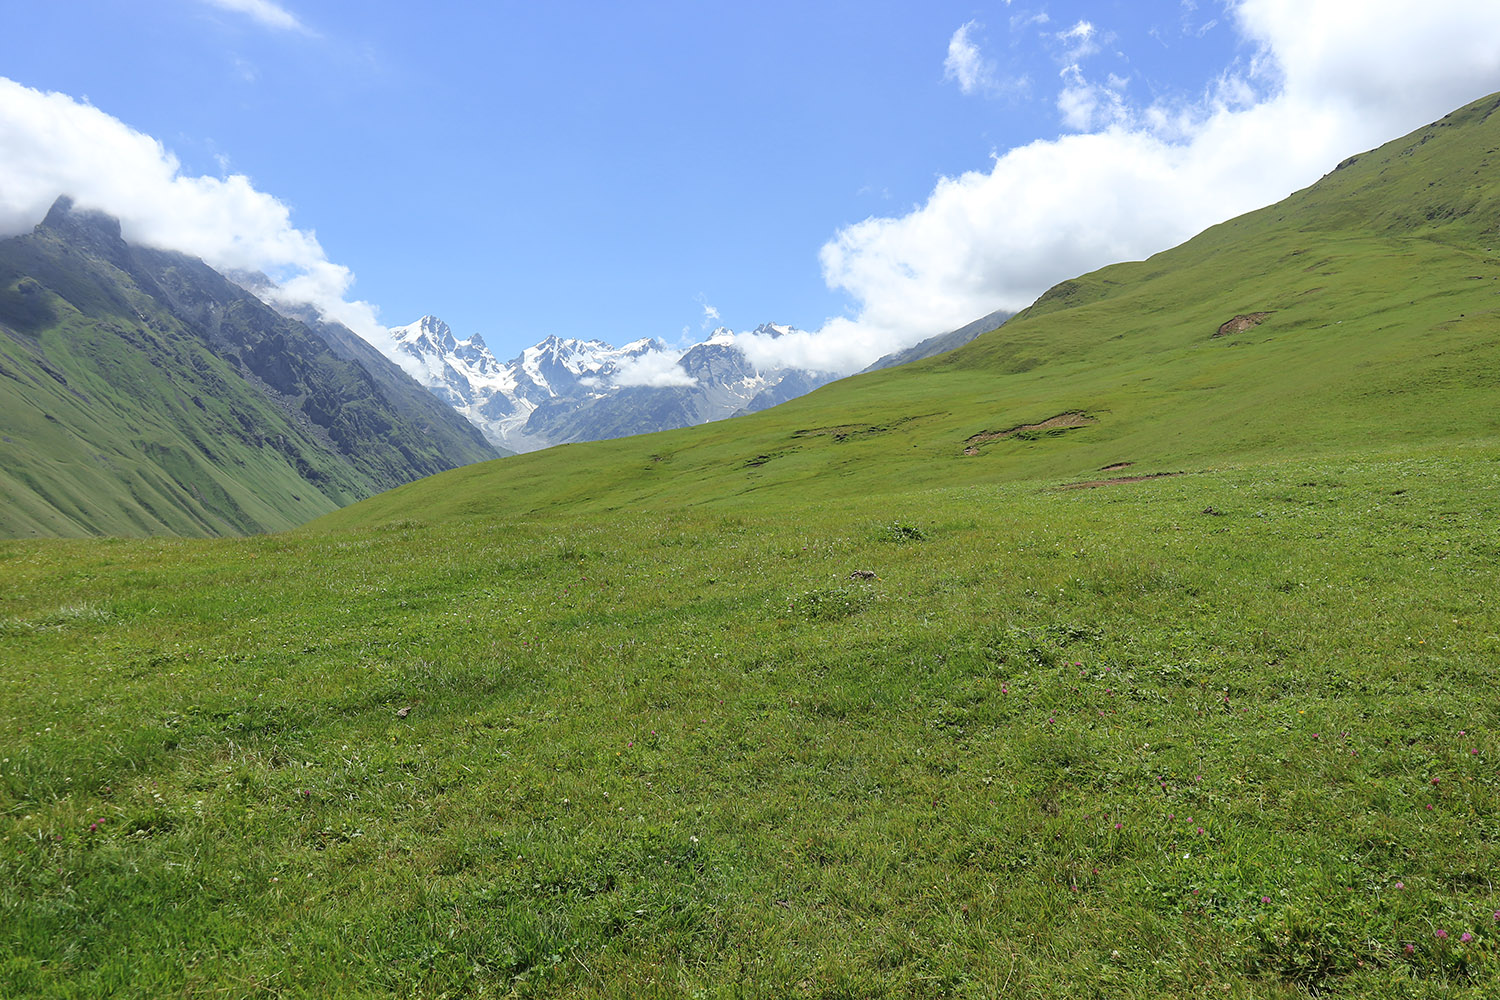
(1134, 648)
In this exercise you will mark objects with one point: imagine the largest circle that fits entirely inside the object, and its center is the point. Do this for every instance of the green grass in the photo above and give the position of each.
(685, 753)
(814, 704)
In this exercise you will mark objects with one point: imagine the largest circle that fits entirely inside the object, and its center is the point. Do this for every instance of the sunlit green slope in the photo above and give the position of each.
(1371, 299)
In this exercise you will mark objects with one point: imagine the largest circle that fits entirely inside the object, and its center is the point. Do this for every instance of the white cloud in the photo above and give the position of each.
(268, 13)
(657, 369)
(55, 145)
(1083, 39)
(1027, 19)
(1085, 105)
(966, 64)
(1328, 78)
(840, 346)
(710, 314)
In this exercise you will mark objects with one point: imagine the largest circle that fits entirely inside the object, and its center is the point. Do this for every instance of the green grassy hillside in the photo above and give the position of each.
(142, 393)
(1379, 285)
(815, 704)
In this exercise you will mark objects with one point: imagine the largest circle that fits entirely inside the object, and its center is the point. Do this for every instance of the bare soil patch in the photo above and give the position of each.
(1241, 323)
(1092, 483)
(1062, 422)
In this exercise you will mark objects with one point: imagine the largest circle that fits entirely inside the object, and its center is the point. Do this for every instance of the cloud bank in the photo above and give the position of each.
(55, 145)
(1323, 79)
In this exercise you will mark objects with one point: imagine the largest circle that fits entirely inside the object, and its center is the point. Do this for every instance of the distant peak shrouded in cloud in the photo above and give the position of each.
(265, 12)
(1321, 79)
(55, 145)
(656, 369)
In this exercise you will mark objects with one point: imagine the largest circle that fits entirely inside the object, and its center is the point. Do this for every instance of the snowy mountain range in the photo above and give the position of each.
(560, 391)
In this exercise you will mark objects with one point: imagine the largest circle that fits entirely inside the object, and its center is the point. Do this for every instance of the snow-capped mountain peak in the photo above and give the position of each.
(562, 389)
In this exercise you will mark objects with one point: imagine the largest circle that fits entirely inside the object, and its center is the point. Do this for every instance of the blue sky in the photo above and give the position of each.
(655, 169)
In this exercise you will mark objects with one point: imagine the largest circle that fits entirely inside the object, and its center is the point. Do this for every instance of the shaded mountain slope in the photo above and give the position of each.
(1376, 292)
(144, 393)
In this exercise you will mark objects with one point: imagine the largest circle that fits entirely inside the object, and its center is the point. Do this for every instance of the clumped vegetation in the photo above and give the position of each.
(841, 714)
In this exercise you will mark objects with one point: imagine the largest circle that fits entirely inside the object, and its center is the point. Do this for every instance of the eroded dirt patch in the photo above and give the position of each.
(1092, 483)
(1068, 421)
(845, 432)
(1116, 467)
(1241, 323)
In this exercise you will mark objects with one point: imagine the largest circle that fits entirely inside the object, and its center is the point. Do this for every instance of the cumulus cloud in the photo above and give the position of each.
(841, 346)
(266, 12)
(55, 145)
(1328, 78)
(657, 369)
(1086, 104)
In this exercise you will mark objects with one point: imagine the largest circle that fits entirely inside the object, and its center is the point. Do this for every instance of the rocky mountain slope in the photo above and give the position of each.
(142, 393)
(561, 391)
(943, 342)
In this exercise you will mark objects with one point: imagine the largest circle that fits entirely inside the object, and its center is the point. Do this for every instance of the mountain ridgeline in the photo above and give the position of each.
(145, 393)
(562, 391)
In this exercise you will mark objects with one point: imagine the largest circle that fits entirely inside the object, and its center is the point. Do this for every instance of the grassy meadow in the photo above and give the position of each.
(1220, 734)
(1102, 657)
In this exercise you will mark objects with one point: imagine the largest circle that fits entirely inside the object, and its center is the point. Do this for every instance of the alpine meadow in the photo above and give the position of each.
(1145, 646)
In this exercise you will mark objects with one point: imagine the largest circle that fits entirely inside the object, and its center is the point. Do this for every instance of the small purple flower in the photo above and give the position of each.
(1400, 885)
(1466, 937)
(1411, 948)
(1265, 899)
(1442, 934)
